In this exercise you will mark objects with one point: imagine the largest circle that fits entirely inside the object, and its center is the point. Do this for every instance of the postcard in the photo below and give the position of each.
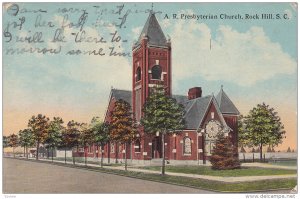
(149, 98)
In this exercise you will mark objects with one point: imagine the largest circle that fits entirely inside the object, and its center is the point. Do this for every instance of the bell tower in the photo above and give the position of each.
(151, 63)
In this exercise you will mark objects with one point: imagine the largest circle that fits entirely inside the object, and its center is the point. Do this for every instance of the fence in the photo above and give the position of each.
(248, 157)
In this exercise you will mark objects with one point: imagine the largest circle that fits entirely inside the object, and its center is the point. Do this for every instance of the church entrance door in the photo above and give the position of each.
(156, 148)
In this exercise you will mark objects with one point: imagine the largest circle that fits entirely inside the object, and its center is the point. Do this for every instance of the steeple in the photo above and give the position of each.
(153, 32)
(225, 104)
(151, 63)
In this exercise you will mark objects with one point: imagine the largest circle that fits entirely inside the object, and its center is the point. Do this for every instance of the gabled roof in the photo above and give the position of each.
(225, 104)
(195, 110)
(181, 99)
(121, 94)
(153, 31)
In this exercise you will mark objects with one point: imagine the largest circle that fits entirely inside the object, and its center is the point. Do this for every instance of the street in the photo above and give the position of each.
(21, 176)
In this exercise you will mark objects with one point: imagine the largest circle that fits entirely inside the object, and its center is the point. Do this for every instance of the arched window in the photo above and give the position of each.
(138, 74)
(137, 146)
(187, 146)
(156, 72)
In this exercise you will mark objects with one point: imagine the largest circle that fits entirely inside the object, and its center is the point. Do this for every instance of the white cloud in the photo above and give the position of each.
(136, 32)
(103, 71)
(240, 57)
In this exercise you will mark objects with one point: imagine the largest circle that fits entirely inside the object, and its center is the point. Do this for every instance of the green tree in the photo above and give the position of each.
(122, 126)
(262, 127)
(39, 127)
(13, 142)
(86, 138)
(100, 134)
(164, 115)
(54, 137)
(5, 141)
(224, 156)
(27, 139)
(71, 136)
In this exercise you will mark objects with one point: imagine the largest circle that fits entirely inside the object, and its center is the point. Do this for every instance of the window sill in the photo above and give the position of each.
(157, 80)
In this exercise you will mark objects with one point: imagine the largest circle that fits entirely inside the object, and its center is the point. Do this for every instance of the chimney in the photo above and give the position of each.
(194, 93)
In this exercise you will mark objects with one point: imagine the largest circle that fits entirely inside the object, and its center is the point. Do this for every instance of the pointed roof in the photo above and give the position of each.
(225, 104)
(153, 31)
(195, 110)
(121, 94)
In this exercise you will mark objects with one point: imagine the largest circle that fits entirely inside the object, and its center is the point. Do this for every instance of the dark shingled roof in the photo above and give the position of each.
(225, 104)
(121, 94)
(153, 31)
(181, 99)
(195, 111)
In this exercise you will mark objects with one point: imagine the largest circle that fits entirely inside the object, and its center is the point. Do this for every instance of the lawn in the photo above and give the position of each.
(207, 184)
(206, 170)
(194, 182)
(284, 162)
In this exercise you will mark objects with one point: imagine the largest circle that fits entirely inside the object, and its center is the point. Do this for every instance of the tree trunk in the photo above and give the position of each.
(73, 155)
(65, 155)
(260, 151)
(108, 153)
(85, 154)
(14, 152)
(117, 152)
(163, 153)
(52, 153)
(125, 156)
(203, 149)
(37, 150)
(26, 152)
(102, 155)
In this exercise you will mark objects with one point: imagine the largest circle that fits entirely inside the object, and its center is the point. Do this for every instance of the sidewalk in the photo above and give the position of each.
(203, 177)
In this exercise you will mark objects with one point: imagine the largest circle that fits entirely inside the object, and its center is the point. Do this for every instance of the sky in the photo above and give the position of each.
(254, 59)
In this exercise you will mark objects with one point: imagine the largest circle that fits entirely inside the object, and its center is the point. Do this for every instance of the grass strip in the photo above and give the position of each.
(205, 170)
(240, 187)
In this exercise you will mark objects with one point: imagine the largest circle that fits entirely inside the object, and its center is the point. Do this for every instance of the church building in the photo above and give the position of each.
(205, 116)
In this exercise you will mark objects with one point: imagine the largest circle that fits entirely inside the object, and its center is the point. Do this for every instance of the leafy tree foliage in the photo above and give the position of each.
(27, 139)
(86, 138)
(55, 131)
(162, 114)
(13, 142)
(224, 156)
(39, 127)
(262, 127)
(71, 136)
(100, 134)
(5, 141)
(122, 125)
